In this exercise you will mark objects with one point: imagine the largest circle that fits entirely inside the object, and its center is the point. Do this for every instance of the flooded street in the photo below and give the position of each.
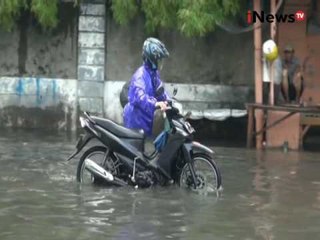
(267, 195)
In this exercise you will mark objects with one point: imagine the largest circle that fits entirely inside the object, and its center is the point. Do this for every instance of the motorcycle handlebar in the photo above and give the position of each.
(88, 116)
(167, 108)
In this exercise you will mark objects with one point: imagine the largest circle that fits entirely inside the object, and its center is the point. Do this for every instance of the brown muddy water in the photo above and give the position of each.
(267, 195)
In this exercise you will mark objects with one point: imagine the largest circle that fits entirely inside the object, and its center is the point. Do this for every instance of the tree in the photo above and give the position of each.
(45, 12)
(190, 17)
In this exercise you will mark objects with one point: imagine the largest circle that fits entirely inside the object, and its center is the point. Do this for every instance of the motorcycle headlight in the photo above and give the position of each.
(182, 132)
(82, 122)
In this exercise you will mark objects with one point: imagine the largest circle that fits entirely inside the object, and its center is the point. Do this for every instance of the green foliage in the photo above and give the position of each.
(10, 11)
(190, 17)
(124, 10)
(200, 17)
(160, 13)
(46, 12)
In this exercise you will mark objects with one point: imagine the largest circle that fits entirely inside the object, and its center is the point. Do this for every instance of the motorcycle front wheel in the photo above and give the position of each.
(208, 176)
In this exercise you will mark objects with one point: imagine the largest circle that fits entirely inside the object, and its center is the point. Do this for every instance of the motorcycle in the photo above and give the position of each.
(122, 160)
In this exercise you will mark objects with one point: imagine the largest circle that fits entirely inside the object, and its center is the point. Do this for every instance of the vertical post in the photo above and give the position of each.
(273, 36)
(273, 25)
(91, 56)
(271, 93)
(250, 126)
(258, 72)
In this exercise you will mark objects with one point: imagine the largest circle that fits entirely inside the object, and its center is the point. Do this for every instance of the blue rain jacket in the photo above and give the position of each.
(138, 112)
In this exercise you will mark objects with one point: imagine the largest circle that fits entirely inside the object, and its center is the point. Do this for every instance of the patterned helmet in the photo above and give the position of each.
(153, 50)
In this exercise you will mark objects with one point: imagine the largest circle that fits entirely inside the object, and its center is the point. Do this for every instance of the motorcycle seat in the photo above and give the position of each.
(118, 130)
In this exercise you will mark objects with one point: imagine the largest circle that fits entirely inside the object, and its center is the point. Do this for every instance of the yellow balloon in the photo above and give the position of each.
(270, 50)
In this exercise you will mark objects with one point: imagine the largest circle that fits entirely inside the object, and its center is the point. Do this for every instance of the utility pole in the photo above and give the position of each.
(273, 31)
(258, 73)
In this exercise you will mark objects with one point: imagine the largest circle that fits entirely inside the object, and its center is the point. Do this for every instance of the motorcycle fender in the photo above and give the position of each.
(198, 147)
(82, 142)
(187, 150)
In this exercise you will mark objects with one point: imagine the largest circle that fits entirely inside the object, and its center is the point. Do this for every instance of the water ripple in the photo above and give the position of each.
(266, 196)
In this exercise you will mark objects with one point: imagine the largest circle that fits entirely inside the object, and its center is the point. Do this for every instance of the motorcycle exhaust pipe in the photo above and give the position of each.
(99, 171)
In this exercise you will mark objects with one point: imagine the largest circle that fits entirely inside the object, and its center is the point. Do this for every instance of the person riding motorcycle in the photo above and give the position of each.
(143, 98)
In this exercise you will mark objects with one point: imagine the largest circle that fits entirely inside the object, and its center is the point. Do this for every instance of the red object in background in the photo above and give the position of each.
(249, 17)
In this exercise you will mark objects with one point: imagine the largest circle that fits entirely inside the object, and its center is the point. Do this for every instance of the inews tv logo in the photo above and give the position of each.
(253, 16)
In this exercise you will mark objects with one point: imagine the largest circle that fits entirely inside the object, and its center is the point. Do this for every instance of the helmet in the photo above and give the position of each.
(270, 50)
(153, 50)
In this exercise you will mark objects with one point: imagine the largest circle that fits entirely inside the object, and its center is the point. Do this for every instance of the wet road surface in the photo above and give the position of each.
(267, 195)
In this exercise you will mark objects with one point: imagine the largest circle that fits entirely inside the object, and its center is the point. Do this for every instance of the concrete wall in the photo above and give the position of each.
(38, 102)
(215, 66)
(27, 51)
(9, 45)
(219, 58)
(48, 77)
(38, 71)
(203, 100)
(91, 61)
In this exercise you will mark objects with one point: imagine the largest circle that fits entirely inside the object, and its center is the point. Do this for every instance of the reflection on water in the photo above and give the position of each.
(267, 195)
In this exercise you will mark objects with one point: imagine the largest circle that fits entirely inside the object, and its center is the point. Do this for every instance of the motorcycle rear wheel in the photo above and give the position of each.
(96, 154)
(207, 174)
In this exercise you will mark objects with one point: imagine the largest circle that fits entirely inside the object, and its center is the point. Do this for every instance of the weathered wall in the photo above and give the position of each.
(212, 65)
(91, 64)
(203, 100)
(38, 102)
(27, 51)
(49, 77)
(9, 45)
(219, 58)
(37, 73)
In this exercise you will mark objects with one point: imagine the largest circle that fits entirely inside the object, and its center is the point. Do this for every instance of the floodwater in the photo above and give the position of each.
(267, 195)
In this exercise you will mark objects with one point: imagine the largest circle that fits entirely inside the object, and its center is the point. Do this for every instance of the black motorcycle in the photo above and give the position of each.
(122, 161)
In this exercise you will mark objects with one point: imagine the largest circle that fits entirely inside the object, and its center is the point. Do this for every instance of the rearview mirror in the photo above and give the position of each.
(188, 114)
(175, 90)
(160, 90)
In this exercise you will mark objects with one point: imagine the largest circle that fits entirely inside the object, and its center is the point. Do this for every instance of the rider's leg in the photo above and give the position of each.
(285, 85)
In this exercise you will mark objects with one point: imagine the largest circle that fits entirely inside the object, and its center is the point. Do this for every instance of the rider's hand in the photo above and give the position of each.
(162, 105)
